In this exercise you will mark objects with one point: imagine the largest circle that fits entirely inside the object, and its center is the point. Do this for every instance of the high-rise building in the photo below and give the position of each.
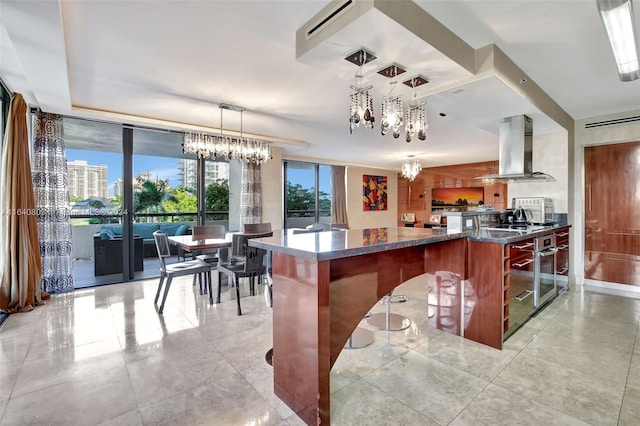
(117, 188)
(214, 170)
(87, 180)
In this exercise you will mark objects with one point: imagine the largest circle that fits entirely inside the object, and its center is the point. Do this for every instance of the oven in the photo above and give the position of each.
(544, 270)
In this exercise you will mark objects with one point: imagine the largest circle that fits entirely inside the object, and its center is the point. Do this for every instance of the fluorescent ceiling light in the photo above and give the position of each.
(617, 16)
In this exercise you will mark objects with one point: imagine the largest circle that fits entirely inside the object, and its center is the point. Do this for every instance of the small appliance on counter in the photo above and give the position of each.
(534, 210)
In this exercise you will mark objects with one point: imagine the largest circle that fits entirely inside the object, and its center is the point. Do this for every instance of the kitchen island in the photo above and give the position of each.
(324, 284)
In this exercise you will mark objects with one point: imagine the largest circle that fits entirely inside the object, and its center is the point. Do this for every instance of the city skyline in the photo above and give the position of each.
(165, 168)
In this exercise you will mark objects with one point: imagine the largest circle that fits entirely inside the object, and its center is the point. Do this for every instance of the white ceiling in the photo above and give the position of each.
(177, 60)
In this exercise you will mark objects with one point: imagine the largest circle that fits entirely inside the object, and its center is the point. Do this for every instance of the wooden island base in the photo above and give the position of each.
(317, 304)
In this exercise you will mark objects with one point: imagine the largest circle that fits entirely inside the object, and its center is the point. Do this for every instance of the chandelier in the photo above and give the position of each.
(411, 169)
(239, 148)
(361, 101)
(392, 115)
(416, 119)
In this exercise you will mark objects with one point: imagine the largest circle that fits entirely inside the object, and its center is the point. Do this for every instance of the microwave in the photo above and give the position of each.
(541, 208)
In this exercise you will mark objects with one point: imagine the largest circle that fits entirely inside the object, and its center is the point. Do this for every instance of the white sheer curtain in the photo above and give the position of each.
(52, 202)
(251, 194)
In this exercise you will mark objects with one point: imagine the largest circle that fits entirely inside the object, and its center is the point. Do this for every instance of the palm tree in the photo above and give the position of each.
(151, 195)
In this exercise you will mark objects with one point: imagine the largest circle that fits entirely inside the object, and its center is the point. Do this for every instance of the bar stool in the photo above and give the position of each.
(360, 338)
(386, 320)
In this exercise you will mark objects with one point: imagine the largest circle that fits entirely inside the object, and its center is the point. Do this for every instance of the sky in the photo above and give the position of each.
(167, 168)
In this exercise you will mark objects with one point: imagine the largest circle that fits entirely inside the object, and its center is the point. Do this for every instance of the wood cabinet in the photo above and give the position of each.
(562, 258)
(612, 213)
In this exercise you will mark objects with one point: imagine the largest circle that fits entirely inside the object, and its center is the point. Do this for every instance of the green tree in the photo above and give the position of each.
(300, 198)
(186, 201)
(151, 196)
(217, 198)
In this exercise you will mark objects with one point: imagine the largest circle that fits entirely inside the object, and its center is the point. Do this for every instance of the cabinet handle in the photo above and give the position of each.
(590, 199)
(562, 271)
(563, 234)
(632, 234)
(563, 247)
(523, 246)
(521, 264)
(520, 297)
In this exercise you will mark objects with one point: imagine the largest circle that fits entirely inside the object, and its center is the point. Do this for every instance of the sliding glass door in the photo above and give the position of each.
(307, 194)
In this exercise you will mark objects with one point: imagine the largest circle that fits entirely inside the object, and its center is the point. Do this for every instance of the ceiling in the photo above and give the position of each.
(171, 63)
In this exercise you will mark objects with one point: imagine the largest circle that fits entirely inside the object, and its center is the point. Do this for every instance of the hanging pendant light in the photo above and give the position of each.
(392, 116)
(411, 168)
(416, 117)
(361, 101)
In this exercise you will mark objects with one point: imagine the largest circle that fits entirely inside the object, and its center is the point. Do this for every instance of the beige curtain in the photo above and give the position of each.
(20, 249)
(338, 195)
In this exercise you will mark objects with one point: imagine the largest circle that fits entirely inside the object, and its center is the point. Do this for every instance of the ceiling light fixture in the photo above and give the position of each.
(230, 147)
(411, 168)
(618, 19)
(416, 118)
(361, 105)
(392, 110)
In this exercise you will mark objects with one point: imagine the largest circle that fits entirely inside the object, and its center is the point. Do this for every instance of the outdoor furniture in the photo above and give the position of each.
(107, 255)
(145, 231)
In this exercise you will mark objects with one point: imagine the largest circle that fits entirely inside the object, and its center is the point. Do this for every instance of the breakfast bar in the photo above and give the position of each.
(325, 283)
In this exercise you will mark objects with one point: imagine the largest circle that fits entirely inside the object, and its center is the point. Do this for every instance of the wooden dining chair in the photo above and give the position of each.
(245, 262)
(169, 271)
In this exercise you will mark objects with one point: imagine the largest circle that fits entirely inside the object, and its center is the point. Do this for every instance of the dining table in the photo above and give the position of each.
(188, 243)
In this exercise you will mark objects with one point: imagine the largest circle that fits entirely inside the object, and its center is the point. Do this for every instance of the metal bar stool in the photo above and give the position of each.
(386, 320)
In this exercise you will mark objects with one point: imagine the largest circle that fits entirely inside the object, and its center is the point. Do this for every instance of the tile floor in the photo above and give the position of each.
(102, 356)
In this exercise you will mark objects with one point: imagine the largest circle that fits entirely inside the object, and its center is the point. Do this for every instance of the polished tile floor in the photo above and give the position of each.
(102, 356)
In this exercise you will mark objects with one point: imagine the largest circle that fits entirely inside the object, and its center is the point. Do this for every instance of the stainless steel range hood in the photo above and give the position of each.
(516, 151)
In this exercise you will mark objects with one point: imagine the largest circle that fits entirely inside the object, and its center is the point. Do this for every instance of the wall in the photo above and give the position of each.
(617, 133)
(550, 156)
(415, 196)
(359, 219)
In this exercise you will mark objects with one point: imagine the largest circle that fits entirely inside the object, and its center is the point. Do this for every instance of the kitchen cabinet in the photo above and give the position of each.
(562, 259)
(612, 213)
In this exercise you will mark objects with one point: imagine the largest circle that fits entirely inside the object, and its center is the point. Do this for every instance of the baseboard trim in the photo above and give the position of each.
(615, 289)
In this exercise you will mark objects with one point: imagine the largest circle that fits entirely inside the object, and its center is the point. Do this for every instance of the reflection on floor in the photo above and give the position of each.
(103, 356)
(83, 270)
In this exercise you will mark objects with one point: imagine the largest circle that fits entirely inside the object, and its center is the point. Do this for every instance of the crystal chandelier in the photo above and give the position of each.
(361, 101)
(416, 122)
(239, 148)
(416, 117)
(411, 169)
(392, 111)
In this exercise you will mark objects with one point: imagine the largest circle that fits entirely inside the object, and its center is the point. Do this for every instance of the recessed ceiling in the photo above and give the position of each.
(177, 61)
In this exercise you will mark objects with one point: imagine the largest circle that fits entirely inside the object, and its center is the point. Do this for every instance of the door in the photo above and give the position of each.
(612, 213)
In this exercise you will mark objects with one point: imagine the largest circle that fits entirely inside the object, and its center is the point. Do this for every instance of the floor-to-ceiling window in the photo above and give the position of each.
(307, 194)
(121, 174)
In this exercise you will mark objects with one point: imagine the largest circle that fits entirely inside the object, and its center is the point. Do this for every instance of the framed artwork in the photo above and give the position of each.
(374, 193)
(456, 198)
(408, 217)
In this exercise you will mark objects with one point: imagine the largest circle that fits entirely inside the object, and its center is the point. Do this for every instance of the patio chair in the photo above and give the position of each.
(169, 271)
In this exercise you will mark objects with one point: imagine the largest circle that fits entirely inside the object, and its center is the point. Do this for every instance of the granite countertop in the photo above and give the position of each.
(338, 244)
(511, 236)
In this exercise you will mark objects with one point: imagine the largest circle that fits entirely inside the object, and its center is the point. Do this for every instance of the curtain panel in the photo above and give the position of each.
(251, 194)
(19, 251)
(338, 195)
(52, 203)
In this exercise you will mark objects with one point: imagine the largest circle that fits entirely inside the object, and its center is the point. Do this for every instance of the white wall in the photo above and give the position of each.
(359, 219)
(617, 133)
(550, 156)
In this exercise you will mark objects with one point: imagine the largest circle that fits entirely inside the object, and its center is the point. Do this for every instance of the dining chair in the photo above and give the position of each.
(253, 228)
(245, 262)
(209, 231)
(169, 271)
